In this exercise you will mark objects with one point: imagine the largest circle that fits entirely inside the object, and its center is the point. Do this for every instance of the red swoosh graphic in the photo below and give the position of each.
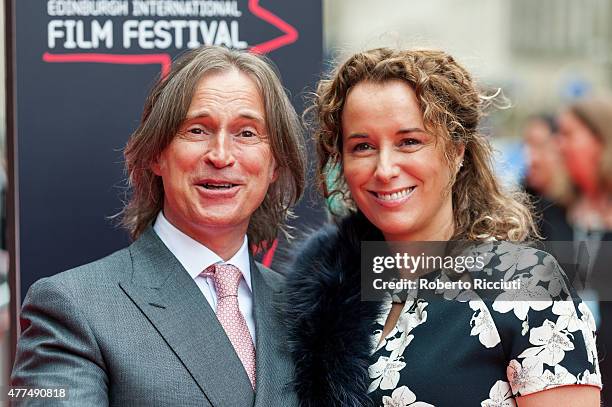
(269, 255)
(267, 251)
(135, 59)
(290, 36)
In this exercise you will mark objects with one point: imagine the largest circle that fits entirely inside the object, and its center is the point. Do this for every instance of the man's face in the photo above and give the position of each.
(217, 169)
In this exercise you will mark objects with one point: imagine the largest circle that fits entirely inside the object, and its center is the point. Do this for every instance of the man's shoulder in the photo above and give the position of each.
(83, 285)
(114, 267)
(109, 268)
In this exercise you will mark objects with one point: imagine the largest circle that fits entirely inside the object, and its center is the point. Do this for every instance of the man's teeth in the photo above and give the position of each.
(396, 195)
(218, 186)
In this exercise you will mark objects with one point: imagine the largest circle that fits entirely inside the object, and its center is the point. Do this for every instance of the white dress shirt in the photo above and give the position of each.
(195, 258)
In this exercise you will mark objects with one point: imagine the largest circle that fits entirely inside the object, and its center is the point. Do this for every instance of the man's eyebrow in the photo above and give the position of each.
(252, 116)
(197, 115)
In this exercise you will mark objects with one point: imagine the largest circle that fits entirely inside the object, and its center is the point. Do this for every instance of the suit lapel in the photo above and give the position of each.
(169, 298)
(274, 368)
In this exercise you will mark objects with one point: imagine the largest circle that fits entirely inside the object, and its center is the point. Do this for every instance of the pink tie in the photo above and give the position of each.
(227, 278)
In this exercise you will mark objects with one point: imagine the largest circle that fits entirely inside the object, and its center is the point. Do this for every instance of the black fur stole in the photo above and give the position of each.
(329, 327)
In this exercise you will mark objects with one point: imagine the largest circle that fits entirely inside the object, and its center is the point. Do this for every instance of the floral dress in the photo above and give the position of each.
(471, 348)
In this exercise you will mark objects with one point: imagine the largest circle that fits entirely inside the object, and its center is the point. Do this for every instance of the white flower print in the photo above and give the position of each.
(398, 345)
(530, 296)
(552, 343)
(450, 293)
(568, 318)
(385, 372)
(588, 328)
(507, 264)
(513, 258)
(500, 395)
(486, 248)
(483, 251)
(587, 317)
(506, 247)
(587, 377)
(482, 325)
(377, 341)
(408, 320)
(525, 326)
(527, 259)
(559, 378)
(403, 397)
(467, 296)
(548, 271)
(457, 294)
(525, 378)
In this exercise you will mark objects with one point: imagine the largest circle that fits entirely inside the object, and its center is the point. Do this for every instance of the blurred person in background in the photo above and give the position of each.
(585, 136)
(585, 130)
(546, 179)
(400, 127)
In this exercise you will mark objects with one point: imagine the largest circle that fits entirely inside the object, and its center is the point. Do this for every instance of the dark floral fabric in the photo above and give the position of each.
(476, 348)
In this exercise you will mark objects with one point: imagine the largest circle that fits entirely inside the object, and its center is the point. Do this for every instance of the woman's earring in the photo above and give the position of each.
(461, 164)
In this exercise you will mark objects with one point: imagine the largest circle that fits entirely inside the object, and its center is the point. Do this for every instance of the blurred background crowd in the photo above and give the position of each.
(552, 59)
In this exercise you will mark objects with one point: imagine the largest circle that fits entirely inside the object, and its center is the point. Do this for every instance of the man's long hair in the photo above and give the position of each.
(164, 112)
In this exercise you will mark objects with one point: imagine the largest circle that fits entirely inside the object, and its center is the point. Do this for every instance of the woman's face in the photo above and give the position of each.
(395, 170)
(581, 151)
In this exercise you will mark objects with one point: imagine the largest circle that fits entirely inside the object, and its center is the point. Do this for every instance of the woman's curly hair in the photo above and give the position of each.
(452, 107)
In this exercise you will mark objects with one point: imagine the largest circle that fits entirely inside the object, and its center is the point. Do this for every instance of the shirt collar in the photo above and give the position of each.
(194, 256)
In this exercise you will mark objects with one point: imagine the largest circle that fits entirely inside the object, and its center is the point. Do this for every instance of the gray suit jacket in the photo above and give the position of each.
(133, 329)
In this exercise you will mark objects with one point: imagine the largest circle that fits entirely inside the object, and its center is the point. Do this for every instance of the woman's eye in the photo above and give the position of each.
(362, 147)
(410, 142)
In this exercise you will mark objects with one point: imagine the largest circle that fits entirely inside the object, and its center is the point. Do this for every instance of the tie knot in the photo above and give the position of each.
(226, 278)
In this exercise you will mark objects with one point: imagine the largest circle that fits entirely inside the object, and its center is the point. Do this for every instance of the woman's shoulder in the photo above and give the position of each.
(544, 329)
(506, 260)
(518, 272)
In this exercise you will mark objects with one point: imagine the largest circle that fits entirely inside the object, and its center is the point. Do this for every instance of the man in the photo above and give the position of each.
(183, 316)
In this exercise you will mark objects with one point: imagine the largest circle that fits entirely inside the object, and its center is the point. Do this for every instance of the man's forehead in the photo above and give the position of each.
(220, 79)
(232, 88)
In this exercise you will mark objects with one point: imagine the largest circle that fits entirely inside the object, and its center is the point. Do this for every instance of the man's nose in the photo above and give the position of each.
(387, 166)
(220, 152)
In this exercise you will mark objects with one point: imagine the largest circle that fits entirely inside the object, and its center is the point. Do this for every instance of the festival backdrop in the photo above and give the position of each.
(83, 69)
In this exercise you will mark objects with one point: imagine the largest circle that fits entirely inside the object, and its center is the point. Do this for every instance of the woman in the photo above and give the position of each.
(399, 128)
(585, 136)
